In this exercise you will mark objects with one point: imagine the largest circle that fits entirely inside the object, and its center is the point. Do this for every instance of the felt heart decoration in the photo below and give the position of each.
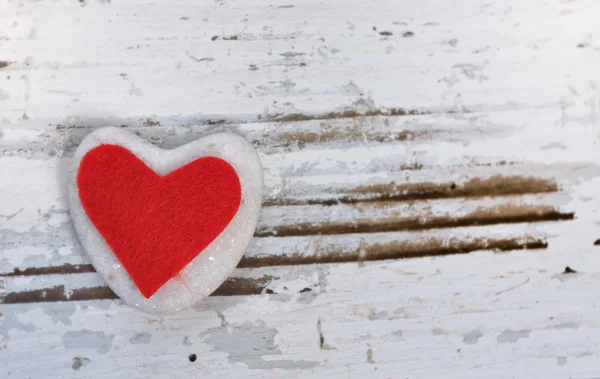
(164, 227)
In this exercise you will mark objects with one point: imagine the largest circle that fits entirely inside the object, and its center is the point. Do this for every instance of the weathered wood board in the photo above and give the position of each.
(431, 185)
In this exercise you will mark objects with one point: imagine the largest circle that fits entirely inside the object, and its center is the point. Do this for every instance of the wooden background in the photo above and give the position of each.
(431, 200)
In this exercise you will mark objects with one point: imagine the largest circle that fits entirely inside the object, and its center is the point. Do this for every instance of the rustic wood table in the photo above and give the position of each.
(431, 185)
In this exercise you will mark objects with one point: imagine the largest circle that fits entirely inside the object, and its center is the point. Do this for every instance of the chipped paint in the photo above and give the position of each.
(471, 337)
(374, 315)
(370, 356)
(88, 339)
(60, 312)
(140, 338)
(512, 336)
(323, 345)
(80, 362)
(347, 130)
(565, 325)
(307, 297)
(49, 241)
(280, 297)
(252, 343)
(11, 321)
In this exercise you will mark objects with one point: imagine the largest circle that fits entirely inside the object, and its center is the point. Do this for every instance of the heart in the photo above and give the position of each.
(164, 227)
(145, 218)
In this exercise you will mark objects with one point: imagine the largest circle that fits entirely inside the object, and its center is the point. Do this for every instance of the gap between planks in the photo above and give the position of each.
(501, 214)
(231, 287)
(497, 185)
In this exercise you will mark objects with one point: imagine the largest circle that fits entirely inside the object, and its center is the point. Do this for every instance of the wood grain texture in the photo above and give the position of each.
(431, 179)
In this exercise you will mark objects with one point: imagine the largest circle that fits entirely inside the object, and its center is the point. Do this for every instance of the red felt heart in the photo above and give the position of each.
(155, 224)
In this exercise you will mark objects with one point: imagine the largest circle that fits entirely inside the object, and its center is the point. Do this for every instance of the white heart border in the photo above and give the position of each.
(209, 269)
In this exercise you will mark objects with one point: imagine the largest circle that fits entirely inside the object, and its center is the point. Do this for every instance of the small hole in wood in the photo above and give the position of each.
(452, 186)
(192, 357)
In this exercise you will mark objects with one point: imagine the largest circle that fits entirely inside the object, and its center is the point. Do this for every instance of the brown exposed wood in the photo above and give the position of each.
(63, 269)
(395, 250)
(497, 185)
(349, 113)
(149, 122)
(503, 214)
(4, 64)
(243, 286)
(231, 287)
(57, 293)
(328, 133)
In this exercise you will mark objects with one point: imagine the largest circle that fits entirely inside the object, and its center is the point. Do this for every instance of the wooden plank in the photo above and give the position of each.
(277, 251)
(47, 284)
(41, 140)
(412, 65)
(28, 249)
(427, 310)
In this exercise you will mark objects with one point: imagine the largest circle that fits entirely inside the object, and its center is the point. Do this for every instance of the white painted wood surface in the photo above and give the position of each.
(394, 135)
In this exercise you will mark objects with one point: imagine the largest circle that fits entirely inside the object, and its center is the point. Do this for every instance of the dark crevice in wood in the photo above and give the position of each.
(394, 250)
(243, 286)
(320, 331)
(279, 117)
(50, 270)
(475, 188)
(303, 138)
(351, 113)
(57, 293)
(492, 216)
(231, 287)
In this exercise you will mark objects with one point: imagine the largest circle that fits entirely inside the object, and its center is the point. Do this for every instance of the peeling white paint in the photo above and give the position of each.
(520, 80)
